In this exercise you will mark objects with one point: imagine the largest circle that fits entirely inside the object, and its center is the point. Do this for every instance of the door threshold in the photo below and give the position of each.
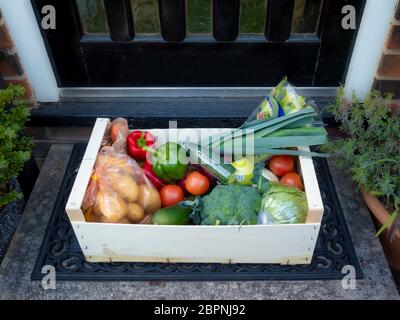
(189, 92)
(140, 111)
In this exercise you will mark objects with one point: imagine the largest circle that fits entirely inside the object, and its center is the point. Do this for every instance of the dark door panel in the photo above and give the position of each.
(222, 57)
(197, 64)
(336, 43)
(63, 42)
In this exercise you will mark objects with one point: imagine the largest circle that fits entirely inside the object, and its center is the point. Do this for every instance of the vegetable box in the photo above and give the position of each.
(107, 242)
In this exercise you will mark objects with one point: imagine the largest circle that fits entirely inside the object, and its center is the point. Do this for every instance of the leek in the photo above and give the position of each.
(275, 135)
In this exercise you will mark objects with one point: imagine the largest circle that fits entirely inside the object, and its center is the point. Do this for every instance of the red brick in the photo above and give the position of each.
(395, 107)
(389, 65)
(394, 38)
(31, 103)
(5, 38)
(10, 66)
(386, 86)
(25, 84)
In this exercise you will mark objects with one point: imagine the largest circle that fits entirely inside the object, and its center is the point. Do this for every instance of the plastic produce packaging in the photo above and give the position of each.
(117, 133)
(118, 191)
(284, 99)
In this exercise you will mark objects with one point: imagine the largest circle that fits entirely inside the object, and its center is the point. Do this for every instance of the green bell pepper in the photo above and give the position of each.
(166, 162)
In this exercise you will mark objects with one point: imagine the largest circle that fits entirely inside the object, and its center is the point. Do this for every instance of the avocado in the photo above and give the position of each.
(173, 215)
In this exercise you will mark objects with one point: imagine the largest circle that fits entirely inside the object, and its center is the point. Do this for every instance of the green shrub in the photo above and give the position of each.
(15, 149)
(370, 148)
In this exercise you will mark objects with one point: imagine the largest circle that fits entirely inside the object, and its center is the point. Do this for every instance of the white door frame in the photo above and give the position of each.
(32, 53)
(374, 28)
(28, 42)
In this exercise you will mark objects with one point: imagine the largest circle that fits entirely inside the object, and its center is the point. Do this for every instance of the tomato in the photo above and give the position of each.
(292, 179)
(196, 183)
(281, 165)
(171, 194)
(182, 184)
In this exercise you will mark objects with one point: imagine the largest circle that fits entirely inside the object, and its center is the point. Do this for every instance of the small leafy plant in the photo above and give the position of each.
(15, 149)
(371, 148)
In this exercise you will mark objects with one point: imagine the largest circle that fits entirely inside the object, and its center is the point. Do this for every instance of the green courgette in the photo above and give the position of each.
(173, 215)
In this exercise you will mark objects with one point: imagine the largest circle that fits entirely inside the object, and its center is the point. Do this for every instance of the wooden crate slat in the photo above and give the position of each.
(172, 19)
(119, 18)
(209, 244)
(279, 20)
(226, 19)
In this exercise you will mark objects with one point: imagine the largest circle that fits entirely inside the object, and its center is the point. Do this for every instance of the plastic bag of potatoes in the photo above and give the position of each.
(118, 191)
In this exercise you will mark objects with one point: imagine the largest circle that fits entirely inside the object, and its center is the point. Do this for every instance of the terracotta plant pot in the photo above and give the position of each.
(391, 248)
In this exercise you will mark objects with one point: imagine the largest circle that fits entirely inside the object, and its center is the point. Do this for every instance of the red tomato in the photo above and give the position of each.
(182, 184)
(196, 183)
(171, 194)
(292, 179)
(281, 165)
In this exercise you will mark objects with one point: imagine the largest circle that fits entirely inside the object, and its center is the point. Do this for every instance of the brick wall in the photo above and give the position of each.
(10, 67)
(387, 77)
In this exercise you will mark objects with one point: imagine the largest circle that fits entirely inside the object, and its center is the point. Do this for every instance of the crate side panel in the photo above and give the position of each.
(74, 202)
(250, 244)
(313, 194)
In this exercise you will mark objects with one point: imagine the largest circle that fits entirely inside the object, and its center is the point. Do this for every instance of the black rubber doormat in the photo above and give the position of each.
(60, 248)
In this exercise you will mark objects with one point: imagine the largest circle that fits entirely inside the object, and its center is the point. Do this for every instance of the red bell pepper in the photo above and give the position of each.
(149, 173)
(136, 141)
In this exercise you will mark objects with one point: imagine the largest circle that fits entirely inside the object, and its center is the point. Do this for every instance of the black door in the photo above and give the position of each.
(198, 42)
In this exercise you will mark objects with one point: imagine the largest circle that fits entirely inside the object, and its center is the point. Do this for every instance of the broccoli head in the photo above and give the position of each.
(230, 205)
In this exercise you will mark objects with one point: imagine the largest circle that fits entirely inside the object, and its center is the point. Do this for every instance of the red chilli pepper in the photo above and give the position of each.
(136, 141)
(148, 171)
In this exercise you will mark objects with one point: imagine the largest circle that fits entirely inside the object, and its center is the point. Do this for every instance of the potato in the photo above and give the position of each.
(103, 219)
(146, 220)
(96, 211)
(90, 215)
(134, 212)
(125, 186)
(149, 198)
(124, 221)
(110, 161)
(110, 205)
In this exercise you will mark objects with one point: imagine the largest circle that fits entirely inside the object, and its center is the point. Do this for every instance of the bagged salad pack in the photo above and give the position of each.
(283, 100)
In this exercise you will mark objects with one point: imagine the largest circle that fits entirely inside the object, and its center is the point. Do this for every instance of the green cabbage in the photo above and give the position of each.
(282, 205)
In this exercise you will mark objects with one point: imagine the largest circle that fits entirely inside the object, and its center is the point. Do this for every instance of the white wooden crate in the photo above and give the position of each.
(106, 242)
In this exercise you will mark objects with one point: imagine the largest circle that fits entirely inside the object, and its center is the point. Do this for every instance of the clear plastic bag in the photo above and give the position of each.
(288, 98)
(118, 191)
(116, 134)
(282, 100)
(268, 108)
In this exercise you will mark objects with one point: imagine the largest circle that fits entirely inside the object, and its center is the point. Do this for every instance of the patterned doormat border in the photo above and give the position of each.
(60, 248)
